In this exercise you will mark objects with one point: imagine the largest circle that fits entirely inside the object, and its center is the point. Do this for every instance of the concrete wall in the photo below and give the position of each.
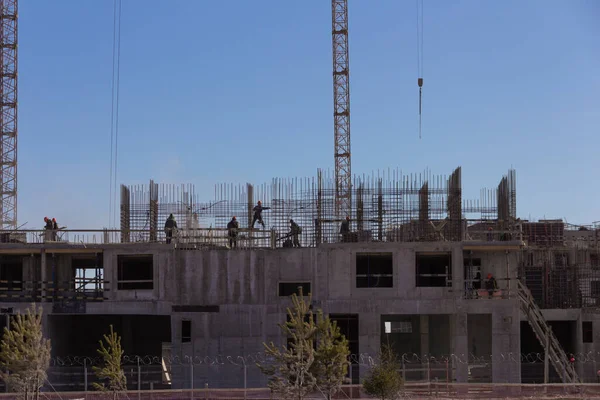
(244, 284)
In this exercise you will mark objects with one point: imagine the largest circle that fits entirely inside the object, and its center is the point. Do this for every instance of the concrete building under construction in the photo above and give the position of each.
(411, 271)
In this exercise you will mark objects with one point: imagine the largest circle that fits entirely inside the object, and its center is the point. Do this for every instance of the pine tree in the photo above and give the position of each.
(331, 358)
(111, 372)
(384, 380)
(289, 373)
(25, 354)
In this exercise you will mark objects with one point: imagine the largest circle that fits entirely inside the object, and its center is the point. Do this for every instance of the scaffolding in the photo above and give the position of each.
(387, 206)
(561, 264)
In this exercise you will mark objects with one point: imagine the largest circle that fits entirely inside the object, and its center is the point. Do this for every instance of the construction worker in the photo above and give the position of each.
(54, 229)
(48, 229)
(258, 209)
(232, 232)
(296, 231)
(170, 226)
(345, 229)
(490, 284)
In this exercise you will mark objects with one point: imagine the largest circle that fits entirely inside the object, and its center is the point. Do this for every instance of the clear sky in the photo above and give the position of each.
(241, 91)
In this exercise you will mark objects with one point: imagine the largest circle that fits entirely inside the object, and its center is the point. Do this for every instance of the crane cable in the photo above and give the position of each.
(420, 58)
(114, 113)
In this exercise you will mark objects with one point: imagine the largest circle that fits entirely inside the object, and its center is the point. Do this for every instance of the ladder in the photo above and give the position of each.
(556, 354)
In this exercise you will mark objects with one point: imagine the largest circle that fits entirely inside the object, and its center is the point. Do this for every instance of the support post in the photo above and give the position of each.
(43, 275)
(139, 379)
(547, 358)
(85, 379)
(245, 380)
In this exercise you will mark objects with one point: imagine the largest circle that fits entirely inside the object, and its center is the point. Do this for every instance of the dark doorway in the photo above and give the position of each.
(532, 368)
(348, 324)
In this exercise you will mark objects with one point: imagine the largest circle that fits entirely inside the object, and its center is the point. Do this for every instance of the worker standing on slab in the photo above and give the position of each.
(491, 285)
(258, 209)
(170, 226)
(48, 229)
(54, 229)
(232, 232)
(345, 229)
(296, 231)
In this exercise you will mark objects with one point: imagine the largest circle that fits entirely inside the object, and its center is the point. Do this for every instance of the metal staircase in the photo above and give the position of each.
(543, 332)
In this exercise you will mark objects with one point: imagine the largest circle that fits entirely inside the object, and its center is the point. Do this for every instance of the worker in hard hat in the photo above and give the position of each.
(258, 209)
(48, 229)
(232, 232)
(490, 284)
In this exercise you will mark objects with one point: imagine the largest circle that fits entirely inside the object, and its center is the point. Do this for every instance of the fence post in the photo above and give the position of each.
(85, 382)
(245, 379)
(403, 369)
(206, 391)
(192, 378)
(139, 378)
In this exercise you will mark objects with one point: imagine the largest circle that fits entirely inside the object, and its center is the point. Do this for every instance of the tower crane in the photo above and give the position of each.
(341, 108)
(8, 114)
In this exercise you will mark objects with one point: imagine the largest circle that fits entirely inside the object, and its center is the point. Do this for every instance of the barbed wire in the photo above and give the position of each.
(363, 359)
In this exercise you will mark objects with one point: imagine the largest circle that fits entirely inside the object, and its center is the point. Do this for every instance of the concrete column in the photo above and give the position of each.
(506, 343)
(458, 273)
(43, 274)
(460, 347)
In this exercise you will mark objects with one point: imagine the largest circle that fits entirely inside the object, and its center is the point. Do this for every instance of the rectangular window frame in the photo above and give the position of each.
(426, 278)
(284, 288)
(134, 284)
(374, 270)
(186, 331)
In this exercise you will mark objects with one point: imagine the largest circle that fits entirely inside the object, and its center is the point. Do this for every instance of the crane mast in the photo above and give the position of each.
(341, 107)
(8, 114)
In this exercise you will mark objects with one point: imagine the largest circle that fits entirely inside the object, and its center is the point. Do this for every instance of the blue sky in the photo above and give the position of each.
(241, 91)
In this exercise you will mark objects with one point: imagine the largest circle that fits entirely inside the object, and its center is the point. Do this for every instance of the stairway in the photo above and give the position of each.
(557, 355)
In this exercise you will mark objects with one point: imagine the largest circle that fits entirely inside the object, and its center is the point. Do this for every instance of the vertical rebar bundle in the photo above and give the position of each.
(387, 206)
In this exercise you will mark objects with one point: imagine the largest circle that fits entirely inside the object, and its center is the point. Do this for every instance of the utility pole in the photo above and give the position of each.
(8, 114)
(341, 108)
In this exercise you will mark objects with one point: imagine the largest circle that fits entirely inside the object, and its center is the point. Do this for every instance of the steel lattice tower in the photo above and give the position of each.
(8, 114)
(341, 107)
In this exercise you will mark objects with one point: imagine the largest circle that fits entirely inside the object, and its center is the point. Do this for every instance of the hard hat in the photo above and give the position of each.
(489, 276)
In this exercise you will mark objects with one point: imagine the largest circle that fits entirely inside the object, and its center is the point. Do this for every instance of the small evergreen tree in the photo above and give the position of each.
(25, 354)
(289, 374)
(331, 358)
(384, 380)
(111, 373)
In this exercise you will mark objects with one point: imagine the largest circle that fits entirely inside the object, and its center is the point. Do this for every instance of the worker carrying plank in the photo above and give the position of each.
(258, 209)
